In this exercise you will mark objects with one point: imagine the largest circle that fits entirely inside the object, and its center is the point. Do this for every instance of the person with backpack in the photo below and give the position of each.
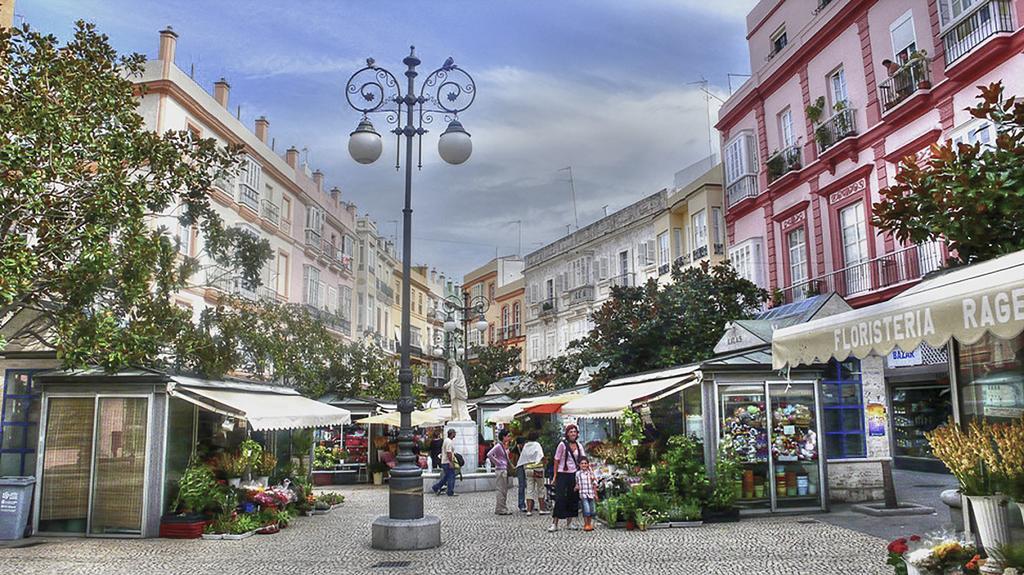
(567, 463)
(531, 468)
(448, 465)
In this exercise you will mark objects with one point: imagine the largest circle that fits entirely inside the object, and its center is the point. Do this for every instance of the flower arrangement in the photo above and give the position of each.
(265, 465)
(986, 458)
(232, 466)
(934, 554)
(331, 498)
(647, 517)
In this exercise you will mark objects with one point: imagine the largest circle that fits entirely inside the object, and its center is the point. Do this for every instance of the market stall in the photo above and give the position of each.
(114, 447)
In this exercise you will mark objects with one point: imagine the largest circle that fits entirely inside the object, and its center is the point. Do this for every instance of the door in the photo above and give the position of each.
(67, 461)
(119, 468)
(796, 463)
(624, 268)
(797, 247)
(744, 422)
(855, 249)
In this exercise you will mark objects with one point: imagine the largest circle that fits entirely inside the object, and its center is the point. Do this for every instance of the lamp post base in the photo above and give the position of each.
(406, 534)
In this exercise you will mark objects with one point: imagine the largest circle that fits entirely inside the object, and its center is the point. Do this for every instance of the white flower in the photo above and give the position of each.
(919, 556)
(1010, 571)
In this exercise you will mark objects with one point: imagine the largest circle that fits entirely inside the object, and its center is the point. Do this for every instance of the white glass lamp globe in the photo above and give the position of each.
(454, 145)
(364, 144)
(438, 352)
(481, 325)
(450, 324)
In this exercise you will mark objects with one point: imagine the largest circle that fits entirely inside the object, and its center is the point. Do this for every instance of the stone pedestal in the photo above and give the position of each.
(467, 442)
(406, 534)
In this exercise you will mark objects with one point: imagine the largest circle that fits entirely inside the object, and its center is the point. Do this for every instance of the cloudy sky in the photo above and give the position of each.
(605, 86)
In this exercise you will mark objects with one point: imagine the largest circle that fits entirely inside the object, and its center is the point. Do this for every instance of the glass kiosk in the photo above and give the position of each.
(775, 428)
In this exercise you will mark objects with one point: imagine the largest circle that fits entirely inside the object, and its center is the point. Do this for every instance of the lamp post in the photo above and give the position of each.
(471, 311)
(445, 92)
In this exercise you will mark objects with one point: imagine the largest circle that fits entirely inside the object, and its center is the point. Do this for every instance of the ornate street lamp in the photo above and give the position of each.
(444, 92)
(466, 308)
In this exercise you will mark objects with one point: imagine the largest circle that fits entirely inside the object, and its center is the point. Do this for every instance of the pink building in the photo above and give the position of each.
(888, 78)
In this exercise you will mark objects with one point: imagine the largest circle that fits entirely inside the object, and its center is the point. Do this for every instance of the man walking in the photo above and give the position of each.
(498, 456)
(447, 466)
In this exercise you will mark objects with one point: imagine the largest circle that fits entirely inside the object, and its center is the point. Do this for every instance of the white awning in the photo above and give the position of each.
(610, 400)
(263, 407)
(964, 304)
(508, 414)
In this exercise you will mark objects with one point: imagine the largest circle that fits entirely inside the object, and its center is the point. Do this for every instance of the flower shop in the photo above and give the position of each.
(977, 313)
(142, 453)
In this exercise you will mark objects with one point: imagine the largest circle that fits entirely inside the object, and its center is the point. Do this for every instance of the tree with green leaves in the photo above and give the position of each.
(84, 189)
(492, 362)
(970, 195)
(653, 326)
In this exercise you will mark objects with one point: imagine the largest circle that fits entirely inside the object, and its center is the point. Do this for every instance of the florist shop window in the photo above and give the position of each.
(991, 376)
(843, 406)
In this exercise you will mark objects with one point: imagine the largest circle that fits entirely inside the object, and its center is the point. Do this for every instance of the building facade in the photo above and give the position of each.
(691, 231)
(568, 279)
(311, 231)
(509, 332)
(841, 91)
(484, 282)
(376, 262)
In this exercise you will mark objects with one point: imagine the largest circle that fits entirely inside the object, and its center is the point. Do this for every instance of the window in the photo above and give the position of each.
(286, 208)
(549, 289)
(663, 254)
(361, 312)
(579, 272)
(786, 138)
(517, 314)
(314, 218)
(740, 158)
(331, 304)
(843, 404)
(311, 286)
(624, 262)
(678, 246)
(779, 40)
(837, 88)
(345, 302)
(855, 248)
(490, 291)
(645, 254)
(797, 250)
(19, 426)
(504, 317)
(904, 41)
(746, 258)
(974, 132)
(699, 223)
(950, 10)
(185, 239)
(478, 290)
(249, 184)
(718, 229)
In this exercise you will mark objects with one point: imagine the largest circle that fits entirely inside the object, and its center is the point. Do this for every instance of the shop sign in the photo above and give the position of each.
(899, 358)
(876, 419)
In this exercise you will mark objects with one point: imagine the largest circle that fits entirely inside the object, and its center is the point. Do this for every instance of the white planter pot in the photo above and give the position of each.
(911, 570)
(992, 513)
(378, 478)
(235, 481)
(264, 480)
(1020, 505)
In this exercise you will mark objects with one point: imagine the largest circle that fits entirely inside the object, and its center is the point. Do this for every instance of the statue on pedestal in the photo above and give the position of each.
(456, 386)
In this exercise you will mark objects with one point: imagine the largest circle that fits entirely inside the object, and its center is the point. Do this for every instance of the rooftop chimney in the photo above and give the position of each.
(168, 40)
(220, 92)
(262, 124)
(292, 157)
(318, 178)
(335, 193)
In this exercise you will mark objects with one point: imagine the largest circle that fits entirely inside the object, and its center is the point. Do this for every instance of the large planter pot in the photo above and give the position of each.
(911, 570)
(992, 513)
(378, 478)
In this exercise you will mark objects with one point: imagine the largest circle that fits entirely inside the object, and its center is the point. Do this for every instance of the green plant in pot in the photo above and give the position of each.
(264, 468)
(232, 467)
(197, 489)
(379, 469)
(776, 165)
(323, 458)
(250, 452)
(609, 510)
(728, 472)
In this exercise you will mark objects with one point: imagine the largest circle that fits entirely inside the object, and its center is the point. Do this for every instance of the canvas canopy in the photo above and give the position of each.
(508, 414)
(964, 304)
(263, 407)
(427, 418)
(618, 394)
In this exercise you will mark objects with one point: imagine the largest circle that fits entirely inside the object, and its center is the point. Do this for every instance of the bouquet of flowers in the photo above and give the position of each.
(283, 495)
(934, 554)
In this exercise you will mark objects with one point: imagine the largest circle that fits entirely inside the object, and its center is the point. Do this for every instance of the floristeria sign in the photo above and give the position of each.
(964, 303)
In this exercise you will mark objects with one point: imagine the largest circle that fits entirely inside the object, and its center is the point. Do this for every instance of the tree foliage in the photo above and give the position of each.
(83, 186)
(969, 195)
(492, 363)
(653, 326)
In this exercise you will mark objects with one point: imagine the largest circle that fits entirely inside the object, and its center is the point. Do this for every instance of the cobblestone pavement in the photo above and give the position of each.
(339, 543)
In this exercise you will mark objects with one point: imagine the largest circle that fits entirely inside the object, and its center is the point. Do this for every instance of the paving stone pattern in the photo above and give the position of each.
(339, 543)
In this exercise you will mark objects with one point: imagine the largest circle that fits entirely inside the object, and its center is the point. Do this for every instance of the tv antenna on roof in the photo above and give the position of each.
(572, 189)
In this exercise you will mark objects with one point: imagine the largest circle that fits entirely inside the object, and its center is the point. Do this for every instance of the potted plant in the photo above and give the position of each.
(919, 59)
(608, 511)
(379, 469)
(232, 467)
(1009, 441)
(324, 462)
(974, 459)
(644, 518)
(197, 490)
(721, 506)
(250, 452)
(685, 513)
(776, 165)
(264, 468)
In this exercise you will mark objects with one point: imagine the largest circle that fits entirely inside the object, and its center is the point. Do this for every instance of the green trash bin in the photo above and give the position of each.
(15, 505)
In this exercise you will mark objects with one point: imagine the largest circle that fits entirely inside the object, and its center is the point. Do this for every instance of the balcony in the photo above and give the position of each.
(663, 269)
(313, 239)
(719, 249)
(385, 292)
(700, 253)
(228, 281)
(743, 188)
(982, 21)
(907, 80)
(330, 251)
(330, 319)
(266, 293)
(547, 307)
(842, 124)
(582, 294)
(899, 267)
(249, 197)
(509, 332)
(783, 162)
(623, 280)
(683, 260)
(271, 212)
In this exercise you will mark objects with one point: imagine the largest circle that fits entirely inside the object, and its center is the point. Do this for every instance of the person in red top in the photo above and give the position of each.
(586, 486)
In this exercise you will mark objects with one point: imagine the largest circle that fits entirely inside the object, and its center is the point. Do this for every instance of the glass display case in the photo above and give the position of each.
(775, 428)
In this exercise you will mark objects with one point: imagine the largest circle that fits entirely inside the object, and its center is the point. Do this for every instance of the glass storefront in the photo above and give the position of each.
(775, 430)
(991, 379)
(917, 409)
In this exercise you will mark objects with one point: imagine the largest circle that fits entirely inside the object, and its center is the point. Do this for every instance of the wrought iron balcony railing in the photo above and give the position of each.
(842, 124)
(249, 197)
(700, 253)
(908, 79)
(313, 239)
(985, 19)
(623, 280)
(271, 212)
(581, 294)
(783, 162)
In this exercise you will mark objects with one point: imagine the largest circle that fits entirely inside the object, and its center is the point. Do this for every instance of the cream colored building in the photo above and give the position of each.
(6, 13)
(484, 282)
(691, 230)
